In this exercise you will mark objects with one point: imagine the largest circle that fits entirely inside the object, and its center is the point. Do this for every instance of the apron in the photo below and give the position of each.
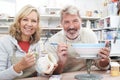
(27, 72)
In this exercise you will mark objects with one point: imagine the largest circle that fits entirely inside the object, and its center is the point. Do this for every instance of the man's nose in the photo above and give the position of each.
(71, 25)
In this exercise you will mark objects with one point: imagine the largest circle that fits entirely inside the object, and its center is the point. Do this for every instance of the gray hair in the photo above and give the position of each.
(70, 9)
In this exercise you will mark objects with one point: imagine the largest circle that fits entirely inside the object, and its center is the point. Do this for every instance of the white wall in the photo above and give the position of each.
(8, 7)
(84, 5)
(13, 6)
(36, 3)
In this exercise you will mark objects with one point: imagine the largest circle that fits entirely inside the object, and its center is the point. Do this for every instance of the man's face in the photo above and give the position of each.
(71, 25)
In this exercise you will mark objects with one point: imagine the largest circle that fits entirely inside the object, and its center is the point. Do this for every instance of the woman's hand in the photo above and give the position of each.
(50, 69)
(46, 64)
(25, 62)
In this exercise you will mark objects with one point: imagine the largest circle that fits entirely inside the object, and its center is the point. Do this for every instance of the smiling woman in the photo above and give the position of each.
(23, 38)
(26, 24)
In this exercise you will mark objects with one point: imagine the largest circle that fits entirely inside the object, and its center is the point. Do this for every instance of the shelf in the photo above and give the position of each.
(46, 28)
(43, 28)
(2, 26)
(110, 28)
(56, 28)
(7, 19)
(53, 16)
(58, 16)
(107, 28)
(4, 29)
(90, 18)
(98, 29)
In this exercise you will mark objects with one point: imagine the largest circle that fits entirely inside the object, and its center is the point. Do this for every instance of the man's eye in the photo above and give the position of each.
(66, 22)
(75, 20)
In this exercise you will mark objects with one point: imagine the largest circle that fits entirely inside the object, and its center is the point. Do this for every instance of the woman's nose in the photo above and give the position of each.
(29, 23)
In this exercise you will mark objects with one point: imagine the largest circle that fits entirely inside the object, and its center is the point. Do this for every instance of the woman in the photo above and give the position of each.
(17, 49)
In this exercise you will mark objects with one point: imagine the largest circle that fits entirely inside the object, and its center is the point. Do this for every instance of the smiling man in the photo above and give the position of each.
(73, 33)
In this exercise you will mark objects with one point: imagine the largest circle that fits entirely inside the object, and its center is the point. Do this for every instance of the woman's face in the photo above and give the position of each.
(71, 25)
(29, 24)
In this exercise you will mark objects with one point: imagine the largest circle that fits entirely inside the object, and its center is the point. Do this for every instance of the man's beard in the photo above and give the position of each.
(72, 33)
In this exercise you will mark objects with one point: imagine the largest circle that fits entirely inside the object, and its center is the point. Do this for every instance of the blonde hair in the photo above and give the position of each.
(15, 27)
(70, 9)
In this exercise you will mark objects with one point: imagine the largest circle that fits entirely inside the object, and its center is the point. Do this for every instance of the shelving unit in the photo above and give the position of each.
(50, 24)
(49, 20)
(53, 26)
(108, 27)
(53, 23)
(3, 30)
(6, 21)
(48, 16)
(105, 28)
(48, 32)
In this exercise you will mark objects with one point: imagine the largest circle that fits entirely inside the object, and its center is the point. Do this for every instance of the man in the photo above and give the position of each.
(73, 33)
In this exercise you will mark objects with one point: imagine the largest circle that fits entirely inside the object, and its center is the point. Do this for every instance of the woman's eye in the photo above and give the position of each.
(34, 21)
(24, 19)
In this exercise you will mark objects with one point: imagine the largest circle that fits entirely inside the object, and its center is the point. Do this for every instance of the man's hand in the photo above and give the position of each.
(104, 54)
(62, 52)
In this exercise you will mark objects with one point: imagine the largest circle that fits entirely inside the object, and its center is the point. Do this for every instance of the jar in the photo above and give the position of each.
(114, 68)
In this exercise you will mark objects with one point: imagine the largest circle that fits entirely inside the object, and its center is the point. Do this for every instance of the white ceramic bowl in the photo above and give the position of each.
(86, 50)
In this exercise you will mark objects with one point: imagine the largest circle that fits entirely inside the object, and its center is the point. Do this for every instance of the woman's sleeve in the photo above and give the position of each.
(6, 69)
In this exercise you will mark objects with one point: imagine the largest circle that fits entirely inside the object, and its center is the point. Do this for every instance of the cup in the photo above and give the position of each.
(114, 68)
(44, 62)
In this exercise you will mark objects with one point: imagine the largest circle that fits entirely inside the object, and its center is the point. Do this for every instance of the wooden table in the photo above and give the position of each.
(70, 76)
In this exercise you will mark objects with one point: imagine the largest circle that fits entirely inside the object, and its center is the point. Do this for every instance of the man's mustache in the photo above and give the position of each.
(72, 29)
